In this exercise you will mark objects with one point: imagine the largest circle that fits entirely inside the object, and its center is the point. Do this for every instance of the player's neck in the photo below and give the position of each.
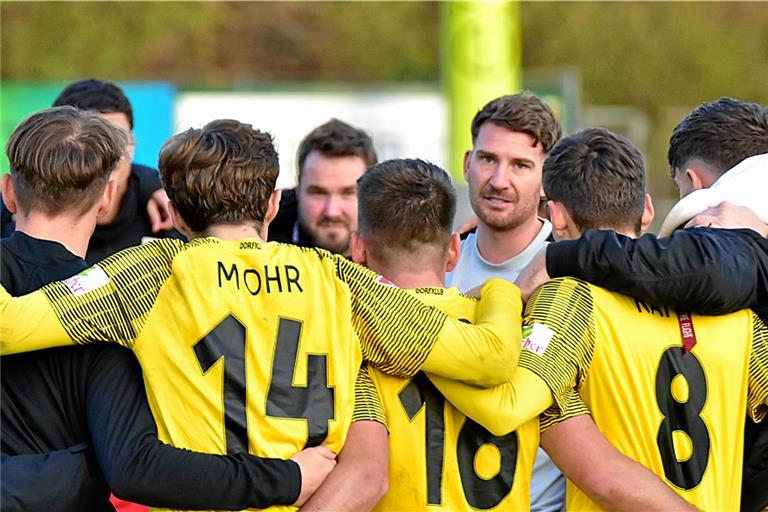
(235, 232)
(71, 231)
(416, 279)
(498, 246)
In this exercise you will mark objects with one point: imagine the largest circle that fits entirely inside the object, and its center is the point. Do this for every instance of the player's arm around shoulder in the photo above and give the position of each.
(559, 336)
(104, 303)
(29, 323)
(484, 354)
(400, 335)
(500, 409)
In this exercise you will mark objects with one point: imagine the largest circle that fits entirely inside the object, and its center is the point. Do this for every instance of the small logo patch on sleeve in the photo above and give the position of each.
(536, 338)
(86, 281)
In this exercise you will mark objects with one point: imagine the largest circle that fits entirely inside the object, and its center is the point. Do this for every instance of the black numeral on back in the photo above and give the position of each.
(313, 402)
(479, 492)
(684, 416)
(226, 343)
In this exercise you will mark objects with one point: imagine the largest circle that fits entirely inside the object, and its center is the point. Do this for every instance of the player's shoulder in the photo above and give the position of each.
(437, 294)
(450, 301)
(150, 256)
(564, 286)
(309, 259)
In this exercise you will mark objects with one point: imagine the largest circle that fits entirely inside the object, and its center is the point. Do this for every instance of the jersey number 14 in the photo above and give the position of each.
(314, 403)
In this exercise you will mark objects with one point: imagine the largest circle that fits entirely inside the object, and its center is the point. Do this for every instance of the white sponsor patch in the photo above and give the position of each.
(536, 338)
(86, 281)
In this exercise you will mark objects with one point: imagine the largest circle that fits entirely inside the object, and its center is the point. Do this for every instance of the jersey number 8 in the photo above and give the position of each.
(682, 415)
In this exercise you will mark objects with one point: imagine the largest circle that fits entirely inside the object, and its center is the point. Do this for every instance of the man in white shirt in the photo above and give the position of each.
(511, 136)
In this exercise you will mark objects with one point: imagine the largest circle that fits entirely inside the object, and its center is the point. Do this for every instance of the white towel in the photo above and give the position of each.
(745, 185)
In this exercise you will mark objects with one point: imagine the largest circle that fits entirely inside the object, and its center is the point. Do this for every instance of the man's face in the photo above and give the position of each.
(327, 197)
(123, 170)
(504, 175)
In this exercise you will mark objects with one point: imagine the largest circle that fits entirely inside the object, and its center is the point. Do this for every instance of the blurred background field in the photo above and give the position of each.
(633, 67)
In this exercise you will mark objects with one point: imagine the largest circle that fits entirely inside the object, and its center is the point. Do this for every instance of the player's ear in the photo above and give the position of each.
(648, 214)
(467, 158)
(273, 206)
(8, 192)
(454, 250)
(560, 219)
(106, 198)
(357, 248)
(697, 180)
(178, 221)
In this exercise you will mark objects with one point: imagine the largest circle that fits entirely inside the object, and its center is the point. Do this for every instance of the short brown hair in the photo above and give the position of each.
(61, 159)
(521, 112)
(222, 173)
(599, 177)
(405, 203)
(336, 138)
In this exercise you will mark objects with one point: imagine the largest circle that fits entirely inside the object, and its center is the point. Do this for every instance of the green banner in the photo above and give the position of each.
(481, 60)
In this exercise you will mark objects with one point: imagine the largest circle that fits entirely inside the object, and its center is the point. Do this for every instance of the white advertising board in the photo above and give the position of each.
(403, 124)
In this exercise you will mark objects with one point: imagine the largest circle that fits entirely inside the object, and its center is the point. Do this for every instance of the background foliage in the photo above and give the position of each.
(662, 58)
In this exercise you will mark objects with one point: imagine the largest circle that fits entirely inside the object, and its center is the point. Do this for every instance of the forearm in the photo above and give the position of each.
(139, 467)
(161, 476)
(607, 476)
(708, 271)
(632, 486)
(359, 480)
(484, 354)
(500, 409)
(29, 323)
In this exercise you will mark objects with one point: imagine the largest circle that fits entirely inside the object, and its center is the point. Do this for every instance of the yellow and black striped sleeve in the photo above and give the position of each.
(571, 405)
(559, 339)
(757, 394)
(400, 335)
(115, 309)
(368, 406)
(396, 330)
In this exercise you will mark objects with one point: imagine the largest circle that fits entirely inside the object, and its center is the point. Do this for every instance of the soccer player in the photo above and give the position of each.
(439, 459)
(712, 271)
(65, 410)
(244, 344)
(660, 383)
(511, 136)
(322, 210)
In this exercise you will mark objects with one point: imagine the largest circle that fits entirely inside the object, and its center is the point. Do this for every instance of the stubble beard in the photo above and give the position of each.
(506, 221)
(335, 244)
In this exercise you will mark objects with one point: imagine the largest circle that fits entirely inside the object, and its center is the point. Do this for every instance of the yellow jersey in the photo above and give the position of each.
(438, 458)
(667, 389)
(244, 345)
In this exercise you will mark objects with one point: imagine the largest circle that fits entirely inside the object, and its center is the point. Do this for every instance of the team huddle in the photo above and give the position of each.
(338, 347)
